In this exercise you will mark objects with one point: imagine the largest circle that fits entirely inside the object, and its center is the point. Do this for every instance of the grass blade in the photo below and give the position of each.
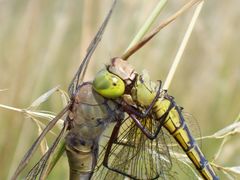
(182, 46)
(146, 26)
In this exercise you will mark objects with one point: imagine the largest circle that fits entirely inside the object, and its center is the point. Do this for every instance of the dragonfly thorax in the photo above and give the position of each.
(92, 112)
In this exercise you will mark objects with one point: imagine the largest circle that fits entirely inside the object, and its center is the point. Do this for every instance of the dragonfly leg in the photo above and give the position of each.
(145, 131)
(146, 112)
(134, 114)
(154, 100)
(112, 140)
(132, 110)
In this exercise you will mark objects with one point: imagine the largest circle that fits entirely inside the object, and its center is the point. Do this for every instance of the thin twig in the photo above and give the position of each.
(182, 46)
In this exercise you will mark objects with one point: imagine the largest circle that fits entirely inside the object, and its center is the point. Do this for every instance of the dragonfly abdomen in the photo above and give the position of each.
(176, 126)
(81, 157)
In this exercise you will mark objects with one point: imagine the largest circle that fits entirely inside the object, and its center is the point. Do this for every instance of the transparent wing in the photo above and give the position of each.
(41, 168)
(194, 127)
(78, 77)
(136, 156)
(35, 145)
(182, 165)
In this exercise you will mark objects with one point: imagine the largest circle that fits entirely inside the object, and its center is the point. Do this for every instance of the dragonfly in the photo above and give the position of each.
(141, 152)
(119, 95)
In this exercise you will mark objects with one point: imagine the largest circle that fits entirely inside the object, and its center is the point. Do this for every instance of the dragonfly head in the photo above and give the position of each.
(108, 85)
(111, 82)
(123, 70)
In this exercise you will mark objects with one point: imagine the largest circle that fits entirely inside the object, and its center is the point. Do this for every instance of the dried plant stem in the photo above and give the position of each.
(20, 142)
(182, 46)
(147, 38)
(226, 138)
(146, 26)
(216, 156)
(1, 90)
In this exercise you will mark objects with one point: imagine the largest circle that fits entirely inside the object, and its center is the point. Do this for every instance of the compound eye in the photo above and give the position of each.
(108, 85)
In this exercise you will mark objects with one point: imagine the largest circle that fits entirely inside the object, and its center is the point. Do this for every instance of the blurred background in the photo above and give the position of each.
(42, 43)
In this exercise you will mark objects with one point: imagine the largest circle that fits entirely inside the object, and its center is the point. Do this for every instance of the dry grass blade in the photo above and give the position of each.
(33, 115)
(225, 134)
(1, 90)
(235, 169)
(43, 145)
(229, 130)
(64, 96)
(147, 38)
(33, 148)
(182, 47)
(147, 24)
(231, 172)
(44, 97)
(37, 114)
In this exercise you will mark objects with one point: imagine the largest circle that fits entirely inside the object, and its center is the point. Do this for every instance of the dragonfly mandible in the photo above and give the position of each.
(114, 93)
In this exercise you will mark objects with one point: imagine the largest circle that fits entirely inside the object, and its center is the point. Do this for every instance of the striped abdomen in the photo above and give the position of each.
(176, 126)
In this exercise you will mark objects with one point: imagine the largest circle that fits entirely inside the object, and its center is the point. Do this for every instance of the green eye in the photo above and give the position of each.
(108, 84)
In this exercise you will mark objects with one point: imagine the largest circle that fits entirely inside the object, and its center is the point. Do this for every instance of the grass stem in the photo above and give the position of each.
(148, 23)
(182, 46)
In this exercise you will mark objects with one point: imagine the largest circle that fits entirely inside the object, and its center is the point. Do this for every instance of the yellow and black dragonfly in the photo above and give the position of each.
(140, 110)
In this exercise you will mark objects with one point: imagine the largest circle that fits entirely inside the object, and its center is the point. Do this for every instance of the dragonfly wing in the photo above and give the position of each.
(136, 156)
(194, 126)
(182, 163)
(78, 77)
(34, 172)
(42, 166)
(35, 145)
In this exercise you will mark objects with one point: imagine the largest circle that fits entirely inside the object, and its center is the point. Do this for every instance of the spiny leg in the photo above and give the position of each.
(145, 130)
(136, 111)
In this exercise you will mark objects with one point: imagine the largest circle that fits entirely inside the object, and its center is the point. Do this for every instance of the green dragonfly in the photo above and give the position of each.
(140, 152)
(118, 95)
